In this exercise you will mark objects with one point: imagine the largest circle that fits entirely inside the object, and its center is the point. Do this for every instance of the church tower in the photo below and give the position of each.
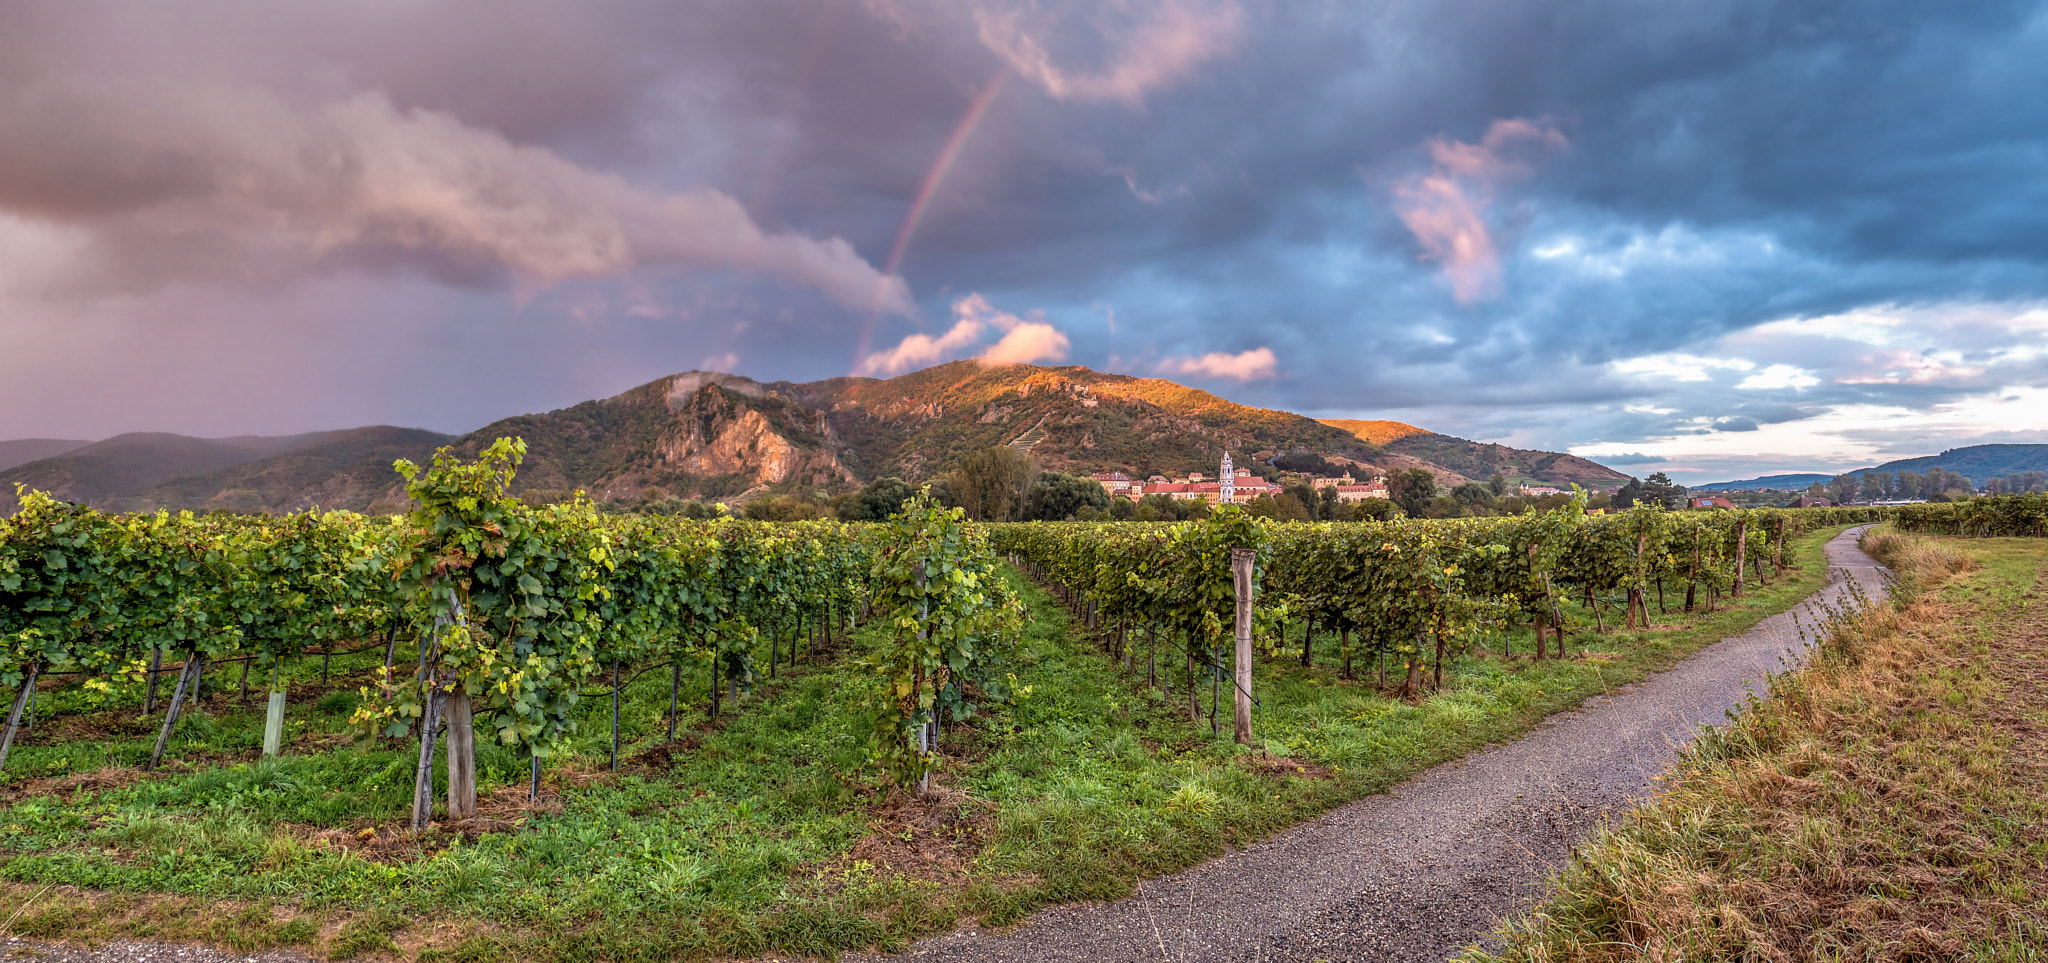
(1229, 483)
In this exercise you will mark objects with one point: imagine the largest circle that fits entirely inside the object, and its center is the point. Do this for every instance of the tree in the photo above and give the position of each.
(1474, 495)
(881, 498)
(1843, 488)
(1306, 497)
(1498, 484)
(1057, 496)
(1660, 489)
(1329, 508)
(786, 508)
(1285, 508)
(1412, 490)
(1307, 463)
(1161, 508)
(1375, 509)
(992, 484)
(1873, 487)
(1629, 493)
(1445, 506)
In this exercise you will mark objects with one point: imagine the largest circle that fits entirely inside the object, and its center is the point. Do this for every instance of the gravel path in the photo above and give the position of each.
(1423, 871)
(1415, 874)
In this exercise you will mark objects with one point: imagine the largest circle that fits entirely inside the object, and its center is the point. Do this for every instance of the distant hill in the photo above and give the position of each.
(1482, 460)
(706, 434)
(1376, 432)
(1794, 482)
(348, 469)
(26, 450)
(104, 472)
(1979, 463)
(711, 435)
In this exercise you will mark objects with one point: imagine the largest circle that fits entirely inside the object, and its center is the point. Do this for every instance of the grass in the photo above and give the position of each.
(760, 833)
(1884, 804)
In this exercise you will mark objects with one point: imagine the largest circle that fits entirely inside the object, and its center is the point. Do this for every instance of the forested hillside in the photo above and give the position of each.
(712, 435)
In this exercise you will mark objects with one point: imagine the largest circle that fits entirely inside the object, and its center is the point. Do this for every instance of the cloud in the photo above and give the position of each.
(922, 350)
(1446, 208)
(1162, 42)
(1779, 376)
(1028, 343)
(1630, 458)
(1678, 366)
(1023, 341)
(176, 183)
(1254, 365)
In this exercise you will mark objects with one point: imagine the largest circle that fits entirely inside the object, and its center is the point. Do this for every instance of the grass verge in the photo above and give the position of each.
(758, 834)
(1883, 804)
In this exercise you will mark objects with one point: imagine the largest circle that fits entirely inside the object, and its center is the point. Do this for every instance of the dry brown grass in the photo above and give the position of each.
(1885, 804)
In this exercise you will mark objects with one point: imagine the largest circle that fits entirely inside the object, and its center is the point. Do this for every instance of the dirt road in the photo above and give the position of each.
(1421, 872)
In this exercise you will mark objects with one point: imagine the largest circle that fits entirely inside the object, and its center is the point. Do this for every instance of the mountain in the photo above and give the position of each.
(711, 435)
(1377, 432)
(707, 434)
(1979, 463)
(1482, 460)
(1793, 482)
(344, 469)
(104, 472)
(26, 450)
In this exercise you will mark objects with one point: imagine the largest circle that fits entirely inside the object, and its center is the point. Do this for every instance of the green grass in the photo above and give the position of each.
(1884, 804)
(761, 833)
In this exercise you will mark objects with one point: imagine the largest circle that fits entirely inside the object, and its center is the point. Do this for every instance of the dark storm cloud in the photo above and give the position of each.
(1473, 212)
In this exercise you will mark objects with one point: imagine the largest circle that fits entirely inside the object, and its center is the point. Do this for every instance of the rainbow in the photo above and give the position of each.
(976, 109)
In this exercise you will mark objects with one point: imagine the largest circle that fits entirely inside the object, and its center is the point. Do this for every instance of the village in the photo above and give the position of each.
(1236, 485)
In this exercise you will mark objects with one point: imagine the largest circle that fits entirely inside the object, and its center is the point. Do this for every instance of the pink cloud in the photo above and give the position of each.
(1028, 343)
(1168, 41)
(1446, 208)
(307, 187)
(1253, 365)
(1023, 341)
(922, 350)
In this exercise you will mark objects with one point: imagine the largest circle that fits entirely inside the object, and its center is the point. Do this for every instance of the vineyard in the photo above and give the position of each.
(2007, 516)
(583, 729)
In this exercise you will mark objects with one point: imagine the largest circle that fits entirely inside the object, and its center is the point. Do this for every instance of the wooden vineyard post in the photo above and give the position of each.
(156, 664)
(186, 678)
(714, 682)
(461, 756)
(423, 776)
(1741, 552)
(675, 683)
(1242, 561)
(28, 688)
(273, 720)
(924, 729)
(1308, 636)
(615, 715)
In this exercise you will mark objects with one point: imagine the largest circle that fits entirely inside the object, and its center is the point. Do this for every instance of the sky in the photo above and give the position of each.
(1717, 239)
